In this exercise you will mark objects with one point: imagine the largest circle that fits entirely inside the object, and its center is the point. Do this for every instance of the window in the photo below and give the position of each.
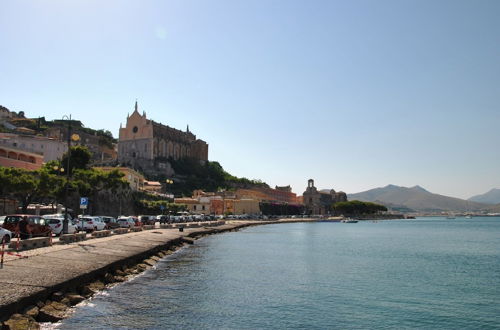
(194, 207)
(203, 207)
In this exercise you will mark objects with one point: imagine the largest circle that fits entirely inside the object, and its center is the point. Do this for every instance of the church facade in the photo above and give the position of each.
(147, 145)
(320, 202)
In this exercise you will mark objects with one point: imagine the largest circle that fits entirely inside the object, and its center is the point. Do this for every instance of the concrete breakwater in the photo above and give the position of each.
(52, 277)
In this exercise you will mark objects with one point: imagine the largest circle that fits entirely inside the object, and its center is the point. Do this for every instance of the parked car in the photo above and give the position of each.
(147, 219)
(2, 218)
(126, 222)
(57, 215)
(57, 224)
(110, 222)
(5, 235)
(90, 223)
(37, 224)
(163, 219)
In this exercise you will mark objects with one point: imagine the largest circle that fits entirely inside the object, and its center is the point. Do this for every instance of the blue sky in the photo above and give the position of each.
(354, 94)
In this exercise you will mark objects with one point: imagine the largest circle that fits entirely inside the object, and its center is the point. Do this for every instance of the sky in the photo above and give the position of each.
(353, 94)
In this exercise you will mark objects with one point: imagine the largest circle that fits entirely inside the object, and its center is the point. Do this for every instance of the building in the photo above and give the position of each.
(152, 186)
(148, 145)
(10, 157)
(246, 206)
(135, 179)
(268, 195)
(49, 148)
(102, 152)
(200, 205)
(219, 203)
(320, 202)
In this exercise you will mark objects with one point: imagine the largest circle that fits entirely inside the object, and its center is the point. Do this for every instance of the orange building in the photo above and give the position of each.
(10, 157)
(268, 194)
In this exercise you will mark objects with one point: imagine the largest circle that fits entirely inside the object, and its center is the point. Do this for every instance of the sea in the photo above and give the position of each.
(427, 273)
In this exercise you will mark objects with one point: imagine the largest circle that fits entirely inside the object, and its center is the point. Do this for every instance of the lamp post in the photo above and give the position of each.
(66, 220)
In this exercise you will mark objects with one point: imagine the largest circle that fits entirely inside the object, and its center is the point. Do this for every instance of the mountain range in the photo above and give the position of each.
(491, 197)
(417, 199)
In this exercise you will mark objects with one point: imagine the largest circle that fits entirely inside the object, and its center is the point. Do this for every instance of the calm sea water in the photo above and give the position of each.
(424, 273)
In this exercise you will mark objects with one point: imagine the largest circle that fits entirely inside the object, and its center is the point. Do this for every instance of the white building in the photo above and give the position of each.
(51, 149)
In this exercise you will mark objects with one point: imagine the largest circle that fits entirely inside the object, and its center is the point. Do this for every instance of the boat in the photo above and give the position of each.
(468, 217)
(349, 221)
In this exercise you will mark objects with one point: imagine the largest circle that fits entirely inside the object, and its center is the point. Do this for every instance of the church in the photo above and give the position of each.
(320, 201)
(147, 145)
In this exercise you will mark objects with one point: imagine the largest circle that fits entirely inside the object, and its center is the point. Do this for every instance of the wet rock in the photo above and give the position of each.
(188, 240)
(120, 272)
(32, 311)
(57, 296)
(87, 291)
(142, 267)
(74, 299)
(65, 301)
(21, 322)
(155, 258)
(150, 262)
(40, 304)
(120, 279)
(108, 278)
(161, 254)
(53, 312)
(97, 286)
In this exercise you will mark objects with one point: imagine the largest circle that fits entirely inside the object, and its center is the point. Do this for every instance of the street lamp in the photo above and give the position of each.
(65, 222)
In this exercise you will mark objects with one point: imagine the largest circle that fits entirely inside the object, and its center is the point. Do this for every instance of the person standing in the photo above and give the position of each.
(24, 228)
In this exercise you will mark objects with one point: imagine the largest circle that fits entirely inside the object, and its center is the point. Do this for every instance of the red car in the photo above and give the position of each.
(37, 225)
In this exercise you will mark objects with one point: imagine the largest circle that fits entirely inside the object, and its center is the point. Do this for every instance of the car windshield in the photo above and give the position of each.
(53, 221)
(38, 221)
(13, 218)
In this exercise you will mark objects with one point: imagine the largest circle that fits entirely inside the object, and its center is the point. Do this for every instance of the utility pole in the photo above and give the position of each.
(66, 220)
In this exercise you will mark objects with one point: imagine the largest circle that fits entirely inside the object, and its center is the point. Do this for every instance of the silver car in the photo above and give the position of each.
(5, 235)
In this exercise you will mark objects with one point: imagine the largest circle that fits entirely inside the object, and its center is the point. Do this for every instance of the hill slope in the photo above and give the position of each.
(416, 198)
(491, 197)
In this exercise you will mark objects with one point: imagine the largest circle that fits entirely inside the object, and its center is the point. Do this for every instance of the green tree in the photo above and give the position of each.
(80, 158)
(357, 208)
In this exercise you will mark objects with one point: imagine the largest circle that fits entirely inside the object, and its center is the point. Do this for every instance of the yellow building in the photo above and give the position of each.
(246, 206)
(195, 205)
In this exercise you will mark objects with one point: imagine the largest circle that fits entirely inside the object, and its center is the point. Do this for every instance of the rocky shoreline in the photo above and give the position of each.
(58, 306)
(51, 301)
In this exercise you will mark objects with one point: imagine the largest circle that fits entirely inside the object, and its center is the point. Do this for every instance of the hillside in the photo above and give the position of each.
(491, 197)
(416, 198)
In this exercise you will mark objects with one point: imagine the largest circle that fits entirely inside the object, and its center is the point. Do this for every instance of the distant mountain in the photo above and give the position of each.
(416, 198)
(491, 197)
